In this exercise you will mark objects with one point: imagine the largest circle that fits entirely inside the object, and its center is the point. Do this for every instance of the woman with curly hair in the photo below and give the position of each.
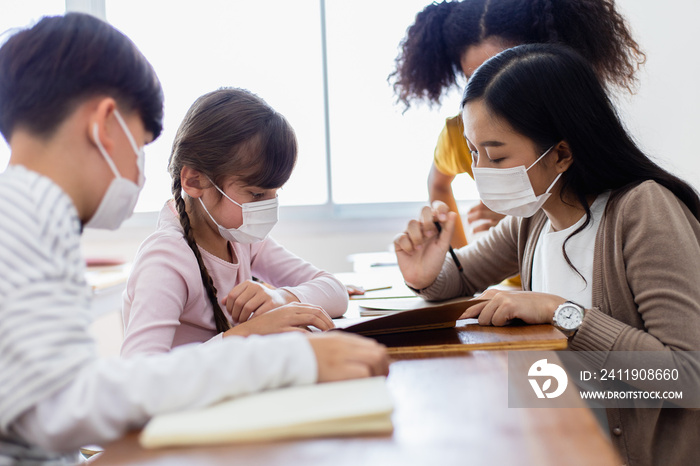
(451, 39)
(607, 242)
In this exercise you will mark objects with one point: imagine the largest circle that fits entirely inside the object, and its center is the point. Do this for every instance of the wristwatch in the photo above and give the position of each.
(568, 317)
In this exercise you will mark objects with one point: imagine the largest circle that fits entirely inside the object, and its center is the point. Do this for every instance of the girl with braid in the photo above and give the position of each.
(452, 39)
(78, 104)
(195, 278)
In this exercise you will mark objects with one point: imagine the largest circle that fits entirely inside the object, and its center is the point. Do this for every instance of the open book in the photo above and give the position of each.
(407, 315)
(352, 407)
(380, 307)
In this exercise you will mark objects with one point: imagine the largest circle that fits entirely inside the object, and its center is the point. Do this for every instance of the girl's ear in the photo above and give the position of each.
(564, 156)
(193, 181)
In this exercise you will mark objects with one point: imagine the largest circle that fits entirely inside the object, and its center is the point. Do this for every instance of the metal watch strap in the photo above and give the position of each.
(567, 332)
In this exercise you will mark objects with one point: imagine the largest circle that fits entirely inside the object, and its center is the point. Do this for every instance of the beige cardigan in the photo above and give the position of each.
(646, 297)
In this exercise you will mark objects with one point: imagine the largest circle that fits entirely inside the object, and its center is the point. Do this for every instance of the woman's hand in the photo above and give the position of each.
(295, 317)
(342, 356)
(503, 306)
(249, 299)
(420, 250)
(484, 217)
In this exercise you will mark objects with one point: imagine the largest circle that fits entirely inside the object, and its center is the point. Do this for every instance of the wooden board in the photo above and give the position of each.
(468, 335)
(447, 412)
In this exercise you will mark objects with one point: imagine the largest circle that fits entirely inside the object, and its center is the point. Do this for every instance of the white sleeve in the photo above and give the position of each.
(110, 396)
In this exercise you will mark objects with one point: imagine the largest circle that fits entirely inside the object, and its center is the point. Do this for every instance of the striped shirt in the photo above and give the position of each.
(55, 393)
(43, 294)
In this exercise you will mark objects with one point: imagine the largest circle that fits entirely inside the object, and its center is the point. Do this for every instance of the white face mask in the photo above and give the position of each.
(120, 199)
(258, 220)
(508, 191)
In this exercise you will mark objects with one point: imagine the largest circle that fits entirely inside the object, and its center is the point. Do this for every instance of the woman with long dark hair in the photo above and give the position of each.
(449, 40)
(606, 241)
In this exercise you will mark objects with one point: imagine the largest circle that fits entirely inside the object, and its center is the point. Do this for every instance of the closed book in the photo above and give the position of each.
(353, 407)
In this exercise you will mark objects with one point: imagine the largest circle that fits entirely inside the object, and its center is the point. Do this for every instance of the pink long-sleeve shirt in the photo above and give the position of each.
(166, 304)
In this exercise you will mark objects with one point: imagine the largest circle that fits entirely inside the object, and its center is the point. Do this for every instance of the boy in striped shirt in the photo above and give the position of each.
(78, 102)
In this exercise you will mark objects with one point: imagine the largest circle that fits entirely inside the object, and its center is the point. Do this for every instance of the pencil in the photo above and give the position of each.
(452, 251)
(378, 288)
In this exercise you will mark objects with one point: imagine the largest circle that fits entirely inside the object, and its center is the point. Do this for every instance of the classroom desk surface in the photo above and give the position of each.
(468, 335)
(448, 411)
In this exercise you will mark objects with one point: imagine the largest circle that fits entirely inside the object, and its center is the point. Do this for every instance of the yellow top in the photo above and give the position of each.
(452, 155)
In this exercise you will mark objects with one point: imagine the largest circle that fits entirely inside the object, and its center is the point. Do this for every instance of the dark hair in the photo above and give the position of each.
(429, 60)
(549, 93)
(230, 133)
(46, 71)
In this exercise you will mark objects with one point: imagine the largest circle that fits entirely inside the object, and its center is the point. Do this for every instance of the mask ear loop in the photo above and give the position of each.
(540, 158)
(140, 154)
(126, 130)
(222, 192)
(209, 214)
(110, 162)
(556, 178)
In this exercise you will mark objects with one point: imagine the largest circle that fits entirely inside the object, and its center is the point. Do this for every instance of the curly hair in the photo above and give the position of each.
(429, 60)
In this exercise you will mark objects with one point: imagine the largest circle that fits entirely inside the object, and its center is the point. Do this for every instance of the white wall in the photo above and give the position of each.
(326, 244)
(663, 116)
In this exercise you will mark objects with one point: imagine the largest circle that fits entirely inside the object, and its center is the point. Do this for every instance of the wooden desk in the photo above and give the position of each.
(451, 408)
(468, 335)
(448, 411)
(107, 283)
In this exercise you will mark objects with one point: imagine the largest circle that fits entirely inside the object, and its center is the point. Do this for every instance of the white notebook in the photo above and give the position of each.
(361, 406)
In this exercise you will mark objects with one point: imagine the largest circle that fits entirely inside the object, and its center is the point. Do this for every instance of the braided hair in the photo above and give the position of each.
(429, 60)
(228, 133)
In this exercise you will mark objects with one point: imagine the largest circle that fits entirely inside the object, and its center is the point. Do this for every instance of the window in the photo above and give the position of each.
(322, 63)
(377, 154)
(270, 48)
(20, 15)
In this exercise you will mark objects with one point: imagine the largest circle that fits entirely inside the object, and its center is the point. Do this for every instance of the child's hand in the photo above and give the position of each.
(249, 299)
(343, 356)
(296, 317)
(354, 290)
(421, 249)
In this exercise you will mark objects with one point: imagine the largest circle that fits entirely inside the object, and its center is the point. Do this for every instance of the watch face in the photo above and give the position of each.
(569, 317)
